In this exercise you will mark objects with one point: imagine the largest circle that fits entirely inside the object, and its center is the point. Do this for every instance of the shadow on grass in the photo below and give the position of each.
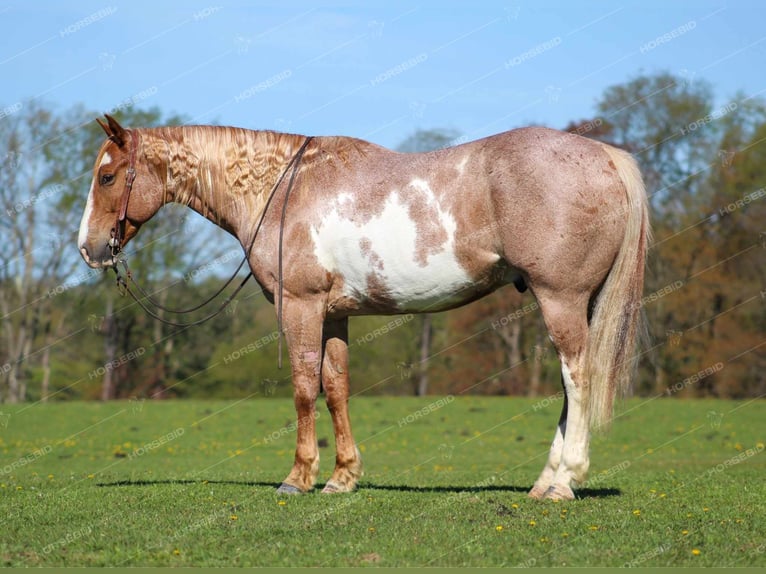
(581, 493)
(200, 481)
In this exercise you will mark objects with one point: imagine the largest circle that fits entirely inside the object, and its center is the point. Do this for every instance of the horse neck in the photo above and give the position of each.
(224, 174)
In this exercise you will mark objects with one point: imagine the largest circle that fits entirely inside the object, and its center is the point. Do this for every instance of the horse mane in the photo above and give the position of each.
(226, 169)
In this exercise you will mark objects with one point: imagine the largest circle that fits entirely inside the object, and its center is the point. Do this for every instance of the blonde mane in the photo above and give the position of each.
(223, 170)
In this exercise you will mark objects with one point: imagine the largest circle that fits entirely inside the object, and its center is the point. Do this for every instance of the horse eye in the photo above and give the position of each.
(107, 179)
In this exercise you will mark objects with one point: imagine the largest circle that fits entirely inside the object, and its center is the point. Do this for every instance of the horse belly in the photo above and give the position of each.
(391, 263)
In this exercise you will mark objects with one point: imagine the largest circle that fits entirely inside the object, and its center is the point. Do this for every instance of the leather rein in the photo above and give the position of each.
(118, 237)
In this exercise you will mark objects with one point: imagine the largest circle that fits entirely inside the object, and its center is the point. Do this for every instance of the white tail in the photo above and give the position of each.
(617, 319)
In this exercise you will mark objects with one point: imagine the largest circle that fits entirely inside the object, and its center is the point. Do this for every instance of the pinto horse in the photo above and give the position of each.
(358, 229)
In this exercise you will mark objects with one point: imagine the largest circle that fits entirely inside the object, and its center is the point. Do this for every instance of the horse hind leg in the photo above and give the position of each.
(545, 480)
(573, 466)
(568, 460)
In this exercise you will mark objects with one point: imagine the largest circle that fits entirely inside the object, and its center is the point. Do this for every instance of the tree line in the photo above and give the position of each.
(68, 334)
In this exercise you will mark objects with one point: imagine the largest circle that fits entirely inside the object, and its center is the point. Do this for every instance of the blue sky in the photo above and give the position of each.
(375, 70)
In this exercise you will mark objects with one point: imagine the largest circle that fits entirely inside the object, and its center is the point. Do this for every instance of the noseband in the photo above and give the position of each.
(118, 231)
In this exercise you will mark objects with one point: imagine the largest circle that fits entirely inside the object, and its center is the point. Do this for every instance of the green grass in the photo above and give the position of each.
(192, 483)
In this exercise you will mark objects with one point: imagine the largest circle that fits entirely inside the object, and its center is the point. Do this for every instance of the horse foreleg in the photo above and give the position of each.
(303, 330)
(348, 461)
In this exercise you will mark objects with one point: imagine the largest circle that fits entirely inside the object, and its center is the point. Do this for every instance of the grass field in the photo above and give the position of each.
(675, 483)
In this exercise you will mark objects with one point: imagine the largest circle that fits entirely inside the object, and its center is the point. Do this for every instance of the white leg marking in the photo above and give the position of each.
(573, 466)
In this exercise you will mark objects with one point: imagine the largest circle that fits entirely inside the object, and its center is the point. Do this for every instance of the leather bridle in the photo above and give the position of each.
(118, 231)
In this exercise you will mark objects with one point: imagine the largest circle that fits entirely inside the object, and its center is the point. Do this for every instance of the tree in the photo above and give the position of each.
(47, 159)
(694, 157)
(36, 220)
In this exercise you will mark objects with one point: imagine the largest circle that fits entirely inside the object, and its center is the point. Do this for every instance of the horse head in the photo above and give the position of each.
(115, 210)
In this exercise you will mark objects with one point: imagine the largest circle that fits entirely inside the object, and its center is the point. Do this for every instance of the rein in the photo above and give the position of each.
(124, 283)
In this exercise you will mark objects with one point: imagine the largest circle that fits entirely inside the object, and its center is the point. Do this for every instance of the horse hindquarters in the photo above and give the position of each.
(597, 355)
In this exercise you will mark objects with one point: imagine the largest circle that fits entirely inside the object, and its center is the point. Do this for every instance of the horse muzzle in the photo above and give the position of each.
(101, 259)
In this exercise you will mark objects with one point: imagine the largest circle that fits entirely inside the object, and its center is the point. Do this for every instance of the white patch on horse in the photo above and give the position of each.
(460, 166)
(390, 254)
(82, 236)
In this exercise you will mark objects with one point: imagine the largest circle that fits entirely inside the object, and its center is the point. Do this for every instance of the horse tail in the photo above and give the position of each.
(617, 320)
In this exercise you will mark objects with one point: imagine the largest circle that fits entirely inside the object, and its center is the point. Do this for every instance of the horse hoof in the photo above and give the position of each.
(331, 488)
(285, 488)
(334, 488)
(559, 492)
(537, 492)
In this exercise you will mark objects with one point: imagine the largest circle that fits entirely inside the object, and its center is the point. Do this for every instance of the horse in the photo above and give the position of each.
(357, 229)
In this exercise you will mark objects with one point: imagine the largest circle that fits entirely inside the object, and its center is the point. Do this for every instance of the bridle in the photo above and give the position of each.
(118, 237)
(118, 231)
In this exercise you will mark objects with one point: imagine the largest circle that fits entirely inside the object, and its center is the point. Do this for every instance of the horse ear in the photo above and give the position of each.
(114, 130)
(104, 127)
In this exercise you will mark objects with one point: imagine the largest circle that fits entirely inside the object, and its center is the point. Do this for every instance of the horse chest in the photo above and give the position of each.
(401, 258)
